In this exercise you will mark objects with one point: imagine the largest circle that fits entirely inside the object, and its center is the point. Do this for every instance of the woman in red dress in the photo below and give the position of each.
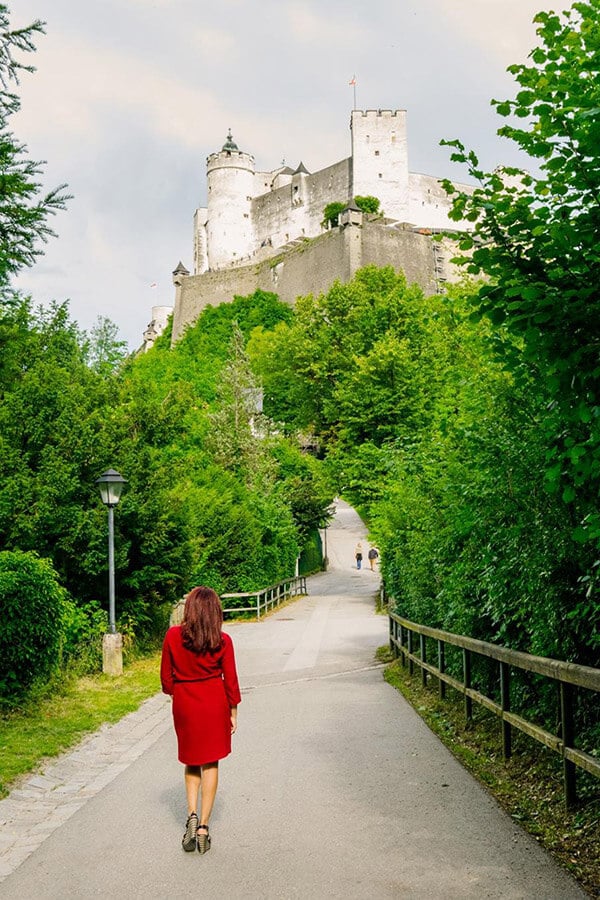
(198, 670)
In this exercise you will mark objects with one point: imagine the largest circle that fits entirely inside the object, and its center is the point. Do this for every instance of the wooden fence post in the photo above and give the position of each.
(410, 650)
(505, 703)
(442, 668)
(467, 683)
(393, 638)
(423, 654)
(567, 700)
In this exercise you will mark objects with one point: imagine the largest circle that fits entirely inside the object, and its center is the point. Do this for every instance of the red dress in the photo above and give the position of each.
(204, 687)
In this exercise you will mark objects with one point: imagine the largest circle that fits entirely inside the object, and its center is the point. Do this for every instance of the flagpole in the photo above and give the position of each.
(353, 83)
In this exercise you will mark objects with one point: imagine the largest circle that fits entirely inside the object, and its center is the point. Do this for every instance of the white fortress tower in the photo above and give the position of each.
(229, 227)
(380, 159)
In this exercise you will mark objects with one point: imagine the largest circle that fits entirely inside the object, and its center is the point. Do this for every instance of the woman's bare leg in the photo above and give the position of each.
(210, 782)
(193, 778)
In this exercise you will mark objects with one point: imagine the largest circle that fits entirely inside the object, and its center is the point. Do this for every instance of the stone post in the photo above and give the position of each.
(112, 654)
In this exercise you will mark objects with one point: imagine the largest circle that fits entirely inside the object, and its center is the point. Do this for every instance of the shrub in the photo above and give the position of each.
(33, 608)
(368, 204)
(331, 213)
(311, 556)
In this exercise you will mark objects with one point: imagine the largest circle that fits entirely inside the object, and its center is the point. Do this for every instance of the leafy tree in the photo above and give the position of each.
(537, 238)
(368, 204)
(106, 351)
(24, 211)
(331, 213)
(231, 439)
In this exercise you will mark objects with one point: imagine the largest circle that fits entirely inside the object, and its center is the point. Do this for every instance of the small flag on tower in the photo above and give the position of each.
(353, 82)
(154, 284)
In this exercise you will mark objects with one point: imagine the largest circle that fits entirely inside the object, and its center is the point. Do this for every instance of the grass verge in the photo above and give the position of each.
(528, 786)
(48, 727)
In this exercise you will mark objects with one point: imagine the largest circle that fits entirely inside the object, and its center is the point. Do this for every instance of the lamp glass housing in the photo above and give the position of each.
(111, 485)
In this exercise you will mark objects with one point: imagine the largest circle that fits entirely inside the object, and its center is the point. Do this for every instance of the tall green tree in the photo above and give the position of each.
(24, 209)
(536, 236)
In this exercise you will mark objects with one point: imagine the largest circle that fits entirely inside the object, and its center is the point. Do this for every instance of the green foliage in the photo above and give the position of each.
(311, 556)
(33, 607)
(24, 212)
(444, 453)
(368, 204)
(536, 237)
(106, 352)
(331, 213)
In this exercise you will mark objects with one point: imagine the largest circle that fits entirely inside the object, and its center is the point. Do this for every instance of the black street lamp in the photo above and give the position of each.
(111, 485)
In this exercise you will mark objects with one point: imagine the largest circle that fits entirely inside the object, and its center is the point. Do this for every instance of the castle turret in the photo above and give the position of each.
(380, 159)
(229, 229)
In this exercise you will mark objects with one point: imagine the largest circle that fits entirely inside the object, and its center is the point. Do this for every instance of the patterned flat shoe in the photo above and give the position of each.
(188, 842)
(203, 840)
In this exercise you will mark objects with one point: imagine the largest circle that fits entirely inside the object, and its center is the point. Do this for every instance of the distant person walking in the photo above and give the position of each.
(358, 555)
(198, 670)
(372, 555)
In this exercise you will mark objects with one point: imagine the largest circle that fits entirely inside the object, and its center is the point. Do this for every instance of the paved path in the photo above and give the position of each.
(335, 789)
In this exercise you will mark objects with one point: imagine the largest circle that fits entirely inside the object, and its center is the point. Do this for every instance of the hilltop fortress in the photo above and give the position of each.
(264, 229)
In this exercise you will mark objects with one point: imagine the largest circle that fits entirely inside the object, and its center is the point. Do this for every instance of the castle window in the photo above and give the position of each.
(380, 175)
(377, 153)
(245, 215)
(393, 137)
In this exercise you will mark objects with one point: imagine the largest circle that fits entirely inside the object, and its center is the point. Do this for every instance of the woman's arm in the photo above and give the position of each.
(232, 688)
(233, 719)
(166, 667)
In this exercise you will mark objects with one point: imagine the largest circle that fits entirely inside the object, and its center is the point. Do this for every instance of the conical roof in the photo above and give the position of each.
(180, 269)
(301, 170)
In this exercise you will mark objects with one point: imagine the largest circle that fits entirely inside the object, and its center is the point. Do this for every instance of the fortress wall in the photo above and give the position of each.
(406, 250)
(429, 203)
(309, 268)
(284, 214)
(312, 267)
(210, 289)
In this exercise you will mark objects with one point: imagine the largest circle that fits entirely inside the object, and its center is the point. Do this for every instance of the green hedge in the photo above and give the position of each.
(311, 555)
(33, 606)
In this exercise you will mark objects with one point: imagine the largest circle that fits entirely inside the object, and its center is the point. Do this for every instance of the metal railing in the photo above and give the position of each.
(267, 598)
(568, 677)
(257, 602)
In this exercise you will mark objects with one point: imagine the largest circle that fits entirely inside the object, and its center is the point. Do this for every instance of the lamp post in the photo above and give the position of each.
(111, 486)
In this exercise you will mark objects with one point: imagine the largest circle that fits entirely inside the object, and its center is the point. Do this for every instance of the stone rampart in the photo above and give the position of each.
(312, 266)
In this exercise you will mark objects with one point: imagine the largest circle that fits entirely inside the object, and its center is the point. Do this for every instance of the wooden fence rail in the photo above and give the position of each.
(256, 602)
(568, 677)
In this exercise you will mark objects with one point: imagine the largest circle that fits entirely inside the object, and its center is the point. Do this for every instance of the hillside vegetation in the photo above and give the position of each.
(214, 494)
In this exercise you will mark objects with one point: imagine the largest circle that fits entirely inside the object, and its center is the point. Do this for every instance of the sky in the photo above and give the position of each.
(130, 97)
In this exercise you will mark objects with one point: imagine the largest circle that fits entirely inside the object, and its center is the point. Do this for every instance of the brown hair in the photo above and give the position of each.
(202, 620)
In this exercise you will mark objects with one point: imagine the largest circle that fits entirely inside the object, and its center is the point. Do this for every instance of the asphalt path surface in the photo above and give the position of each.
(335, 787)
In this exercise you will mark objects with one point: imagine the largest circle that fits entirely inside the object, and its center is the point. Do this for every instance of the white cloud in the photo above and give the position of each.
(503, 28)
(324, 28)
(112, 81)
(215, 44)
